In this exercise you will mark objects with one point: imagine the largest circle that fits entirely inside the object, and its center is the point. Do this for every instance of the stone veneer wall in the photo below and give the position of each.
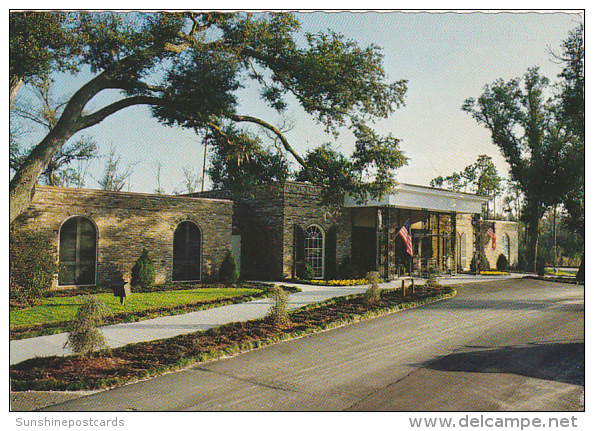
(266, 219)
(127, 222)
(258, 218)
(303, 206)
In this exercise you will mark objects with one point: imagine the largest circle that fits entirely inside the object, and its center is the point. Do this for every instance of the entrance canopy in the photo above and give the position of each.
(427, 198)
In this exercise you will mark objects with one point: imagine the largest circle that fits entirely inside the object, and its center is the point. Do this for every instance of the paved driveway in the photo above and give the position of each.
(506, 345)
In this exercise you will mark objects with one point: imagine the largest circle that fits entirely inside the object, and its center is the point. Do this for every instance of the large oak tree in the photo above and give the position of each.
(524, 124)
(572, 101)
(189, 67)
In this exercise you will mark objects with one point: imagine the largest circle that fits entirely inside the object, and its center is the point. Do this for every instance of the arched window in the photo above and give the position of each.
(78, 252)
(314, 250)
(505, 246)
(461, 250)
(187, 252)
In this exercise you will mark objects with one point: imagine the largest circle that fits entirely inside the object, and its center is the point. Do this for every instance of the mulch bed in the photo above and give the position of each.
(137, 361)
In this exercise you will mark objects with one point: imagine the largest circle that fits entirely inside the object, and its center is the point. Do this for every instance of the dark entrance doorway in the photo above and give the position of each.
(364, 249)
(187, 252)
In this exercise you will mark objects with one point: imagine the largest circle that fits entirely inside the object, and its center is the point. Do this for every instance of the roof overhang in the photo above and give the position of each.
(427, 198)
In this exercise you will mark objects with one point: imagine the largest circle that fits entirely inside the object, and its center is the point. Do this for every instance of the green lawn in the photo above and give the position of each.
(59, 309)
(561, 272)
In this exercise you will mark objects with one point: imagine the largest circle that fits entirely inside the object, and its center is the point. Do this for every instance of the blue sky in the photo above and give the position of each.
(446, 58)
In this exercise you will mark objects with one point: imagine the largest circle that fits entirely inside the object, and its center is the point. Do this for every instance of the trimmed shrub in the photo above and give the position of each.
(279, 312)
(483, 265)
(373, 293)
(434, 271)
(228, 272)
(32, 266)
(304, 271)
(432, 282)
(502, 263)
(143, 272)
(85, 336)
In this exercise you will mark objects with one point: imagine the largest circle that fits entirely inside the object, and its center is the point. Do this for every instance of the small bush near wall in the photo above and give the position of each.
(483, 264)
(304, 271)
(32, 267)
(228, 272)
(143, 272)
(434, 271)
(502, 263)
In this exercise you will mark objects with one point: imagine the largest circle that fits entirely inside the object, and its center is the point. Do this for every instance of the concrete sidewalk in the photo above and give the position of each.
(169, 326)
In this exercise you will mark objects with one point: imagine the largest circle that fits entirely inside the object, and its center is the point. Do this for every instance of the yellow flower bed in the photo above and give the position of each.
(494, 273)
(354, 282)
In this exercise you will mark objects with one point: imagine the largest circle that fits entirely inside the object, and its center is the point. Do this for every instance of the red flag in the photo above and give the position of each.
(404, 232)
(491, 234)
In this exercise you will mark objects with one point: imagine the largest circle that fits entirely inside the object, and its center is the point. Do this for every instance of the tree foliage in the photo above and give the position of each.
(572, 101)
(481, 178)
(40, 42)
(67, 166)
(32, 266)
(240, 161)
(573, 82)
(374, 157)
(189, 67)
(558, 240)
(524, 124)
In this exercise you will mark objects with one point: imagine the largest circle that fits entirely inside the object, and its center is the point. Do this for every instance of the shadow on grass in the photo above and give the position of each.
(559, 361)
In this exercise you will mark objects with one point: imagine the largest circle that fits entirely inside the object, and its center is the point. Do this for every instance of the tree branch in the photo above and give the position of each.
(97, 117)
(276, 131)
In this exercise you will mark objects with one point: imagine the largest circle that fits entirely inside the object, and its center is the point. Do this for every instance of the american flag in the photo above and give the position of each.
(491, 233)
(404, 232)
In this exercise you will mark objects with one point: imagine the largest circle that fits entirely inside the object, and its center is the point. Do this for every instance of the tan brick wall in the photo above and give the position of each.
(504, 230)
(127, 222)
(465, 240)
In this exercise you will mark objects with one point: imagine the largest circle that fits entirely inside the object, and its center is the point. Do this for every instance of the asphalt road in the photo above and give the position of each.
(505, 345)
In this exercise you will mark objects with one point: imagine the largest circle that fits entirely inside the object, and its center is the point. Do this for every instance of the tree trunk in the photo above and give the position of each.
(532, 252)
(581, 274)
(22, 185)
(15, 86)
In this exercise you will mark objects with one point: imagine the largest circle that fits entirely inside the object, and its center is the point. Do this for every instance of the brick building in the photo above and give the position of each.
(97, 235)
